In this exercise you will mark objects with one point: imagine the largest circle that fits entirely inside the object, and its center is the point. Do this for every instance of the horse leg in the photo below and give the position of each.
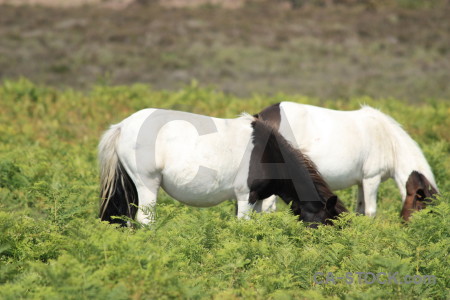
(258, 206)
(267, 205)
(360, 207)
(244, 207)
(147, 193)
(370, 188)
(402, 188)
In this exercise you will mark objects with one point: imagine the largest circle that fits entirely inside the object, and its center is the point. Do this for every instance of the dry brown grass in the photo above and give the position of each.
(69, 3)
(124, 3)
(331, 52)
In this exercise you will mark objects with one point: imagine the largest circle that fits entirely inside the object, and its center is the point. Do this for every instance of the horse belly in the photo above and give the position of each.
(337, 159)
(339, 174)
(195, 193)
(198, 182)
(200, 170)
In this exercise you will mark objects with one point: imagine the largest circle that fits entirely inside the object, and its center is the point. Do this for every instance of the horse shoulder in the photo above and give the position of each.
(295, 124)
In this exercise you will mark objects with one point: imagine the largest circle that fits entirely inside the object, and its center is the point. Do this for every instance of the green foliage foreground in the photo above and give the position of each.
(52, 246)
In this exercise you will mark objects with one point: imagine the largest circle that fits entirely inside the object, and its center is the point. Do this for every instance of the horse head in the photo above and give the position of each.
(419, 192)
(319, 213)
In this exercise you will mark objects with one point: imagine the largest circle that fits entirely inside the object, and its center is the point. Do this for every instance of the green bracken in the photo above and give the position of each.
(53, 246)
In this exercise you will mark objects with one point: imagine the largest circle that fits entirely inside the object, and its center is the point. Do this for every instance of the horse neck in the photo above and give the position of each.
(297, 183)
(402, 154)
(286, 170)
(289, 191)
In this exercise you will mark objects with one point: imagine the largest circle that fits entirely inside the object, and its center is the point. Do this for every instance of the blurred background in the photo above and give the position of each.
(325, 49)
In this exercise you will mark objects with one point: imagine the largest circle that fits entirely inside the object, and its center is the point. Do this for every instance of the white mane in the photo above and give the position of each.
(245, 115)
(407, 154)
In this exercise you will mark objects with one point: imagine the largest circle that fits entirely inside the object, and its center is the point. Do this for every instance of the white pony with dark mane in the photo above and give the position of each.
(362, 147)
(203, 161)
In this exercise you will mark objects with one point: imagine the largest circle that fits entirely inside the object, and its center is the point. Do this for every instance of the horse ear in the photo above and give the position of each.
(414, 183)
(331, 203)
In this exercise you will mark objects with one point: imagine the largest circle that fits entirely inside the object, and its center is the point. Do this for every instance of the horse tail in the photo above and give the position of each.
(118, 194)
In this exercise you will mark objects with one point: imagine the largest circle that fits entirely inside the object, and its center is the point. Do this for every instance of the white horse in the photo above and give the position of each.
(362, 147)
(203, 161)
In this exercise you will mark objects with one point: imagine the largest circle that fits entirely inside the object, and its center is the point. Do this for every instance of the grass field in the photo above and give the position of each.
(52, 245)
(326, 52)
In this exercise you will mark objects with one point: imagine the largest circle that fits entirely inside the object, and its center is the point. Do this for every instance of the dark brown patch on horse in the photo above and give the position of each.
(419, 193)
(277, 168)
(271, 115)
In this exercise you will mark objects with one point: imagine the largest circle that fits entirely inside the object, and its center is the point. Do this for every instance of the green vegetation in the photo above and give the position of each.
(52, 246)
